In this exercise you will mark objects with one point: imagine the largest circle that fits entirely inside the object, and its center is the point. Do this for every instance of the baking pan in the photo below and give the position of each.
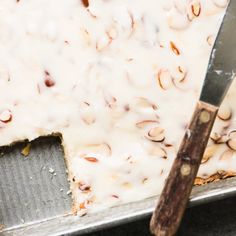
(34, 196)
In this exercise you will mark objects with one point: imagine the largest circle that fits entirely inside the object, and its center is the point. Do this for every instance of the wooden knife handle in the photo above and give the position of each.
(174, 197)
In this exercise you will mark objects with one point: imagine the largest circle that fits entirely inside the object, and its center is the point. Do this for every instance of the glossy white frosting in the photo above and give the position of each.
(94, 74)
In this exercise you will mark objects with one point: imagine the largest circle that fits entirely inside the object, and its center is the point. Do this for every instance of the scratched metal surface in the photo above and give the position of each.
(34, 199)
(33, 188)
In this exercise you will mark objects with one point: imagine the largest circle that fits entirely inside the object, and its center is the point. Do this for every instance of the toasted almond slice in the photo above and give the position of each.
(218, 138)
(215, 177)
(179, 74)
(215, 136)
(226, 155)
(158, 151)
(174, 48)
(232, 134)
(142, 102)
(103, 149)
(144, 123)
(196, 8)
(232, 144)
(84, 187)
(91, 159)
(225, 112)
(209, 152)
(110, 100)
(156, 134)
(198, 181)
(6, 116)
(164, 79)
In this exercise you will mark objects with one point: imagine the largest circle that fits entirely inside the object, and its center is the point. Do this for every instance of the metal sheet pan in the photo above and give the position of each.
(50, 218)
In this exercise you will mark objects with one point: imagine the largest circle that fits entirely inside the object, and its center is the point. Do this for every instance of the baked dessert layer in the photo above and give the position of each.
(118, 81)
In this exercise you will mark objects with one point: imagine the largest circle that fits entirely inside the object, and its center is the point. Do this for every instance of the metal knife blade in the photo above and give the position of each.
(222, 63)
(221, 71)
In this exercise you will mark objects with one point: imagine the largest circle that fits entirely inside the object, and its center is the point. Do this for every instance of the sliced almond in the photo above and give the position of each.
(156, 134)
(218, 138)
(142, 102)
(84, 187)
(6, 116)
(232, 144)
(91, 159)
(164, 79)
(145, 123)
(226, 155)
(158, 152)
(179, 74)
(103, 149)
(215, 136)
(196, 8)
(232, 134)
(225, 112)
(209, 152)
(174, 48)
(110, 100)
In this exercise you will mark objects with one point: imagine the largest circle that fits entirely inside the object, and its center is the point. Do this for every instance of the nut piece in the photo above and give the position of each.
(26, 150)
(232, 144)
(232, 134)
(174, 48)
(164, 79)
(142, 102)
(48, 80)
(158, 152)
(103, 149)
(91, 159)
(209, 152)
(6, 116)
(156, 134)
(196, 8)
(225, 112)
(218, 138)
(145, 123)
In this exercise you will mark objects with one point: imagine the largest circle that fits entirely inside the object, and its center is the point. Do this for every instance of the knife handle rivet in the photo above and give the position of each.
(185, 169)
(205, 116)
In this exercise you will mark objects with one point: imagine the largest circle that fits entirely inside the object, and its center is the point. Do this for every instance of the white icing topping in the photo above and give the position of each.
(111, 78)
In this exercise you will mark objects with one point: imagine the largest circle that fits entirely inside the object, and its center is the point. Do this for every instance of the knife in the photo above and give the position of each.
(221, 72)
